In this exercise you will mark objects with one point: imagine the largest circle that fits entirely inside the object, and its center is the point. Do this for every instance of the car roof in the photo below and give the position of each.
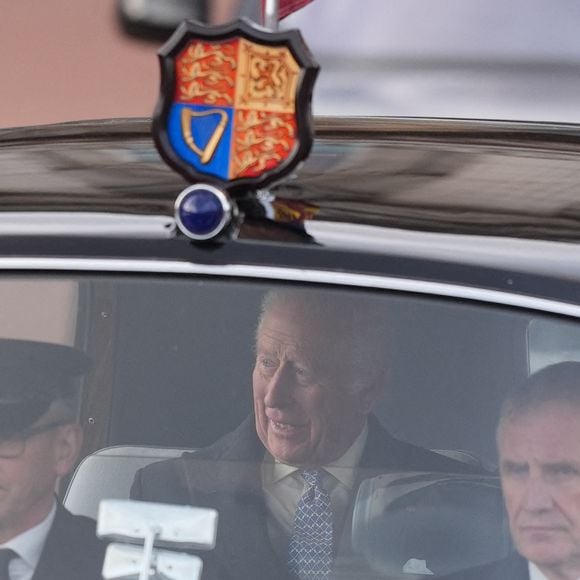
(464, 177)
(493, 196)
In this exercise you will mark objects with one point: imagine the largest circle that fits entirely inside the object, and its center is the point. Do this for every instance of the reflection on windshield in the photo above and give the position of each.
(338, 434)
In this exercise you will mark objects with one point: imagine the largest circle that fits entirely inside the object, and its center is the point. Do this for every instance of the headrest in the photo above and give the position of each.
(430, 523)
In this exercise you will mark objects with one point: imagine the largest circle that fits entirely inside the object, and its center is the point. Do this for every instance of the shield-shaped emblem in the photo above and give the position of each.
(235, 105)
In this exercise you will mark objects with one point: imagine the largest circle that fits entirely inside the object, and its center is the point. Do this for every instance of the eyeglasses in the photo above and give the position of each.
(14, 446)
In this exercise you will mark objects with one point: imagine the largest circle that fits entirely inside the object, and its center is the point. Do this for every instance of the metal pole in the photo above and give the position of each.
(271, 14)
(150, 536)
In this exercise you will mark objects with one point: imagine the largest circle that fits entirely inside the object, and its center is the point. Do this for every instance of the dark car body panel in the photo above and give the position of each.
(445, 195)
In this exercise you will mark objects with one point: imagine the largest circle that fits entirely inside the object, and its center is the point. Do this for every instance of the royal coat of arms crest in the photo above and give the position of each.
(235, 103)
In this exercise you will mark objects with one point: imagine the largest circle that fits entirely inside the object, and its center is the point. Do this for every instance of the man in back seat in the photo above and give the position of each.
(39, 443)
(284, 481)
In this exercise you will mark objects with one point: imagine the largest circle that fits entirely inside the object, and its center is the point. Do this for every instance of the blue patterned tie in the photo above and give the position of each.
(310, 552)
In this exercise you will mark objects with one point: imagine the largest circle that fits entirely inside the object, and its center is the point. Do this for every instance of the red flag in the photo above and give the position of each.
(287, 7)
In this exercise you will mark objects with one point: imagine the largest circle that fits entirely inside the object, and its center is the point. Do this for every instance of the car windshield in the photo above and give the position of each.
(231, 393)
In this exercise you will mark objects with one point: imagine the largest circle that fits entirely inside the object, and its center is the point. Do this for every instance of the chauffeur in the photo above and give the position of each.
(39, 443)
(284, 481)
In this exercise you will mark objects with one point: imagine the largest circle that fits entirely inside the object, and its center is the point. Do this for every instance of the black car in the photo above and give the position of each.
(461, 237)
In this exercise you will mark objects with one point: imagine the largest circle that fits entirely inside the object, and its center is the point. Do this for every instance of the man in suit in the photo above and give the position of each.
(39, 443)
(296, 463)
(538, 440)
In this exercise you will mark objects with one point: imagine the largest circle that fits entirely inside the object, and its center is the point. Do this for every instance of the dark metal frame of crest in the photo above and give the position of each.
(190, 30)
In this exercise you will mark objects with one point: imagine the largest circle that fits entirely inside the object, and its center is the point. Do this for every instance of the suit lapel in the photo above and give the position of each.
(53, 565)
(384, 453)
(515, 568)
(244, 542)
(71, 551)
(50, 565)
(231, 481)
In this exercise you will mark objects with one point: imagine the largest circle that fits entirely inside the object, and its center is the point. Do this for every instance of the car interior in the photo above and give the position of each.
(172, 372)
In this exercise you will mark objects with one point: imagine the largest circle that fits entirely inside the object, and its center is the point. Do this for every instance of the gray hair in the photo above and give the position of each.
(358, 327)
(557, 383)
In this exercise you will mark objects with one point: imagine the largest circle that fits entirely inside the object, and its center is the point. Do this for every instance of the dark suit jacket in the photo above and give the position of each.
(72, 550)
(227, 476)
(513, 568)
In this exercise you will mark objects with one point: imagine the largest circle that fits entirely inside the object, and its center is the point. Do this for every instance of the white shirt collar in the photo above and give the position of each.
(30, 543)
(536, 573)
(341, 469)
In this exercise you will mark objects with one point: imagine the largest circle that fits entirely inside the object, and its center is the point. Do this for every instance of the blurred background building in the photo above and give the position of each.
(508, 59)
(67, 60)
(511, 59)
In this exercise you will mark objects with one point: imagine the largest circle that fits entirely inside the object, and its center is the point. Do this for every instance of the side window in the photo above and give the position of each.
(552, 341)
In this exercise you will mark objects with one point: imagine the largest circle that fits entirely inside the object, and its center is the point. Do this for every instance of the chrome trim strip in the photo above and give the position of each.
(45, 223)
(292, 274)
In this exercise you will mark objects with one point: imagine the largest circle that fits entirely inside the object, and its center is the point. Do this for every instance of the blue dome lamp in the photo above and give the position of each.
(203, 212)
